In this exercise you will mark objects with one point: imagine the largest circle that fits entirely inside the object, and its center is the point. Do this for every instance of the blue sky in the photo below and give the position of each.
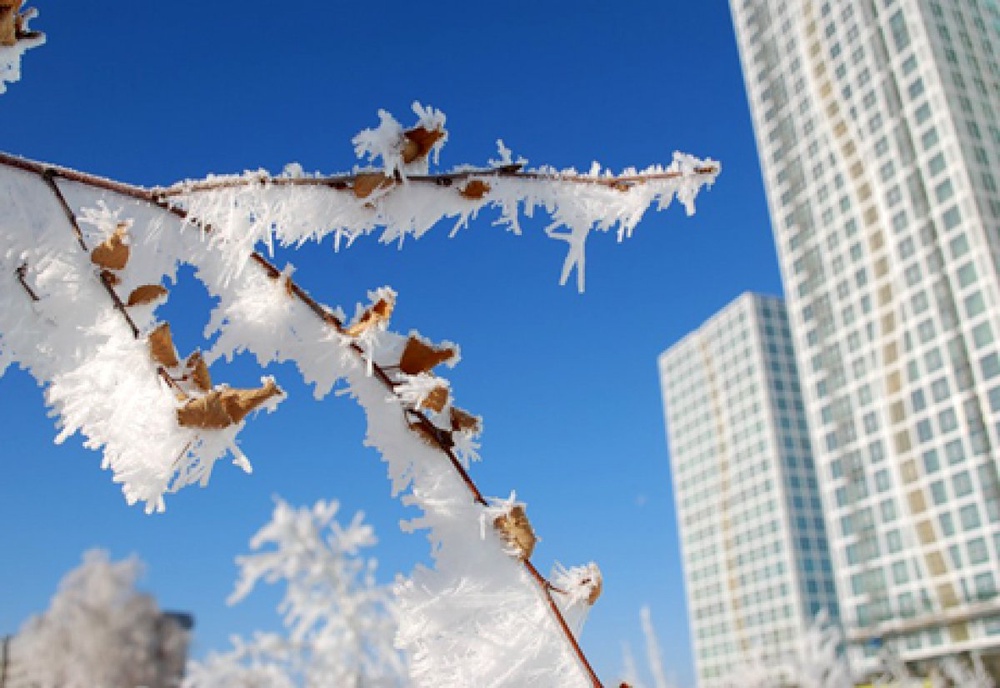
(566, 382)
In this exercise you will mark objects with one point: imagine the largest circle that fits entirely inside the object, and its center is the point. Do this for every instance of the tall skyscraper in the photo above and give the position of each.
(756, 565)
(878, 132)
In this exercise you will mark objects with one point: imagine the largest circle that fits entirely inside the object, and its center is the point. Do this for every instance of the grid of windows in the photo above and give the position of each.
(878, 136)
(753, 535)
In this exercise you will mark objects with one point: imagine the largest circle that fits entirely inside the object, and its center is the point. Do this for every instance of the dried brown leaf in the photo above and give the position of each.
(367, 183)
(418, 143)
(197, 371)
(475, 190)
(596, 585)
(207, 412)
(419, 357)
(240, 402)
(464, 421)
(9, 21)
(113, 252)
(161, 346)
(516, 531)
(378, 313)
(223, 407)
(147, 293)
(435, 399)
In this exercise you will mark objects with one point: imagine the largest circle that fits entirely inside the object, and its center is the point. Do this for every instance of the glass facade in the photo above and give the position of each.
(756, 563)
(877, 129)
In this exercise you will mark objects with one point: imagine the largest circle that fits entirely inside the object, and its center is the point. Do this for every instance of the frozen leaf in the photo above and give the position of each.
(147, 293)
(418, 143)
(207, 412)
(240, 402)
(367, 183)
(463, 421)
(582, 583)
(475, 190)
(9, 15)
(378, 314)
(113, 252)
(420, 357)
(161, 346)
(436, 399)
(516, 531)
(197, 371)
(225, 406)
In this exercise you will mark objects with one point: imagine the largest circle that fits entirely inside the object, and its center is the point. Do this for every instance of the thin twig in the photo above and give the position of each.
(49, 175)
(344, 182)
(158, 199)
(105, 279)
(20, 272)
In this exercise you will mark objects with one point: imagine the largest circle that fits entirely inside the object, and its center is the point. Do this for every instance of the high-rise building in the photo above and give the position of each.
(878, 133)
(756, 565)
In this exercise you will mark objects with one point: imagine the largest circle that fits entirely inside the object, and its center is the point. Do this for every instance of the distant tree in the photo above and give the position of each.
(340, 622)
(100, 632)
(85, 261)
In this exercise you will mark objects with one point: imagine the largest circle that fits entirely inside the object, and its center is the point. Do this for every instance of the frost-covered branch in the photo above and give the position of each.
(483, 613)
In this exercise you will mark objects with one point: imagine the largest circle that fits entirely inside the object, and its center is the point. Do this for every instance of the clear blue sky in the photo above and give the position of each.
(567, 383)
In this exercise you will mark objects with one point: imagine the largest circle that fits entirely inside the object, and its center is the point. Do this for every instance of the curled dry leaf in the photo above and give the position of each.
(379, 313)
(113, 252)
(594, 583)
(435, 399)
(223, 407)
(516, 531)
(419, 357)
(207, 412)
(462, 421)
(475, 190)
(418, 142)
(367, 183)
(161, 346)
(240, 402)
(9, 21)
(147, 293)
(197, 371)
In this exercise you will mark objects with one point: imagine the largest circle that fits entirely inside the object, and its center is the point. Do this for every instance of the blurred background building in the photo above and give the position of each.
(877, 131)
(753, 539)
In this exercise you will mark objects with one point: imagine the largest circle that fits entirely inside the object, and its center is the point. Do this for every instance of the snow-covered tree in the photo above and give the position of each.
(100, 632)
(86, 261)
(821, 662)
(953, 672)
(340, 622)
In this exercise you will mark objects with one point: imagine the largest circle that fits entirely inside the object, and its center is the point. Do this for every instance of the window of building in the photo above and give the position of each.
(969, 516)
(963, 484)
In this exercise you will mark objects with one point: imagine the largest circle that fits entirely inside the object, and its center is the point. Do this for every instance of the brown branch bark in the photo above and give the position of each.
(158, 198)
